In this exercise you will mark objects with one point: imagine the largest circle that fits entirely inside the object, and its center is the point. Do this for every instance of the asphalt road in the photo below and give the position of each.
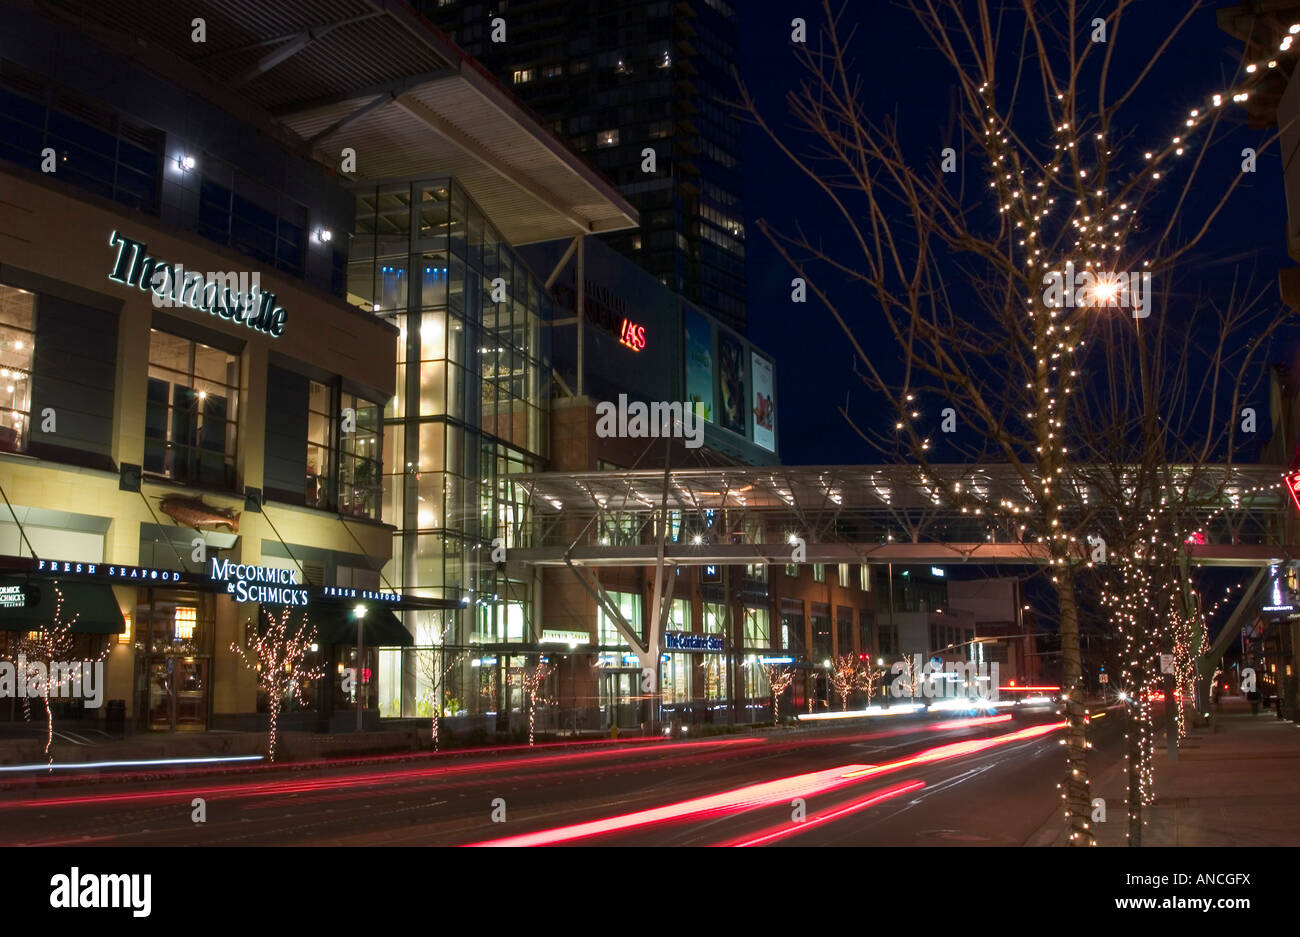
(881, 781)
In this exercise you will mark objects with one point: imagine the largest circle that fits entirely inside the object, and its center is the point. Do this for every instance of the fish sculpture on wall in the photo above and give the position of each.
(193, 512)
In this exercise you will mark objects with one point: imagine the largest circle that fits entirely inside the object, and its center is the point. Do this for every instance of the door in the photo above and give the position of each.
(619, 702)
(178, 693)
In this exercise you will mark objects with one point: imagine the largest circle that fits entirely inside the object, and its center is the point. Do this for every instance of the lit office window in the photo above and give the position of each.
(524, 75)
(17, 342)
(190, 414)
(844, 575)
(819, 572)
(864, 577)
(607, 138)
(360, 481)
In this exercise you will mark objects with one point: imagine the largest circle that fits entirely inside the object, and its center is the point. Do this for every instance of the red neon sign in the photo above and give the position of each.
(632, 335)
(1293, 486)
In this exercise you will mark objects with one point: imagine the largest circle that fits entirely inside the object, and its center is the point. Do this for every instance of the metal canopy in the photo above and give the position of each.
(374, 76)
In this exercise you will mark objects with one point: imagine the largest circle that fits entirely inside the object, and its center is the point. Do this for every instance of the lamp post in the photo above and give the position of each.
(360, 613)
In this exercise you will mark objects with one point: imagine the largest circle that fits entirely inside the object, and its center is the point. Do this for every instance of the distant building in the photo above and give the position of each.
(615, 77)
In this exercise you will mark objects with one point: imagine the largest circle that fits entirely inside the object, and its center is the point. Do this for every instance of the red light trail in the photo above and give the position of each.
(762, 794)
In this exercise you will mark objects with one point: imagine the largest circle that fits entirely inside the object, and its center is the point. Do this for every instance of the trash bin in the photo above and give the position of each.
(115, 717)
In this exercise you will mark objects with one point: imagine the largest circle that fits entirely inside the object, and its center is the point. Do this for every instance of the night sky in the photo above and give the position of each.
(908, 78)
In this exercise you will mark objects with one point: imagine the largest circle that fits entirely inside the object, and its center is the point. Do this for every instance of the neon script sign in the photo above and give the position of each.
(134, 267)
(632, 335)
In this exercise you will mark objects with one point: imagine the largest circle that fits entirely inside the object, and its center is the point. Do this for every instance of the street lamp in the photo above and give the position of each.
(360, 613)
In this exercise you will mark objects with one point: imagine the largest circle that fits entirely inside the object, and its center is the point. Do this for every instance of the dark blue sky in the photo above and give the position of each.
(908, 79)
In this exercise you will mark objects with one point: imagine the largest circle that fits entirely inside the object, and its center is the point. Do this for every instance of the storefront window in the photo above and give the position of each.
(360, 482)
(193, 403)
(717, 683)
(17, 342)
(676, 683)
(756, 684)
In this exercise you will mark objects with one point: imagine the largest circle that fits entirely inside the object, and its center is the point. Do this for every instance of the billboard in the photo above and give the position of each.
(698, 346)
(732, 401)
(763, 410)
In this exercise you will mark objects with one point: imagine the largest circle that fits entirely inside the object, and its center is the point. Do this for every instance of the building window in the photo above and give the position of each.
(320, 455)
(843, 630)
(553, 71)
(864, 577)
(95, 149)
(607, 138)
(792, 570)
(715, 619)
(758, 629)
(360, 480)
(888, 641)
(524, 75)
(629, 606)
(844, 575)
(821, 633)
(819, 572)
(191, 411)
(17, 342)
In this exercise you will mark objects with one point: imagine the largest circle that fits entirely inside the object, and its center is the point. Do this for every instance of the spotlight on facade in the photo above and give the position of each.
(186, 162)
(324, 235)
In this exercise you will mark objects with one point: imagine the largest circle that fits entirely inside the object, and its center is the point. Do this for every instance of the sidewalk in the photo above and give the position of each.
(1235, 783)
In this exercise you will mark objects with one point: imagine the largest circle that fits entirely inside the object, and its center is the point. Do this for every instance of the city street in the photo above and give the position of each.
(933, 781)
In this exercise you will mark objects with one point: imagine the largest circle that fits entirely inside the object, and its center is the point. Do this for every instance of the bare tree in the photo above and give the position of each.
(779, 679)
(967, 271)
(278, 657)
(869, 680)
(844, 678)
(45, 657)
(532, 681)
(435, 664)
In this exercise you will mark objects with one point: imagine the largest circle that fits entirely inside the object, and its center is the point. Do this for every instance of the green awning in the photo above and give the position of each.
(337, 624)
(91, 607)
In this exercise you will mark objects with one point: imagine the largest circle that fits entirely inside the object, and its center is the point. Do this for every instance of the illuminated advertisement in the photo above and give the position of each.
(731, 385)
(699, 362)
(763, 410)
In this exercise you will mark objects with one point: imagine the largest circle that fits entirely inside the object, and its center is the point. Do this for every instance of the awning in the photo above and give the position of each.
(29, 604)
(337, 624)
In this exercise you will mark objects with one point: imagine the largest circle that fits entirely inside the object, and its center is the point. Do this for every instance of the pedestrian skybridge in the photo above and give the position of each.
(870, 513)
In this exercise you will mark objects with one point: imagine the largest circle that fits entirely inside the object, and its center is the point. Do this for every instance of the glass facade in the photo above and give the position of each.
(469, 413)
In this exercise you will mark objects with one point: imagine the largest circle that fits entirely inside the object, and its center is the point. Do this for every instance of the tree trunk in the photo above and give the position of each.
(1078, 797)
